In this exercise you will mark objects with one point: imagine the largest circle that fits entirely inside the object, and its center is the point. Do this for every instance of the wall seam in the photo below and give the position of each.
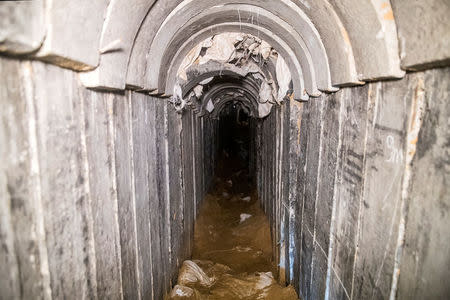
(193, 165)
(322, 104)
(146, 99)
(335, 195)
(133, 192)
(92, 252)
(110, 109)
(166, 157)
(303, 208)
(415, 123)
(35, 172)
(361, 196)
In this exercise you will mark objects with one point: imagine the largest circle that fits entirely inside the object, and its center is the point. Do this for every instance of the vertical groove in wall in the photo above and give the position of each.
(35, 176)
(133, 190)
(413, 129)
(333, 214)
(103, 190)
(125, 202)
(92, 269)
(202, 156)
(166, 161)
(303, 192)
(141, 140)
(319, 167)
(293, 195)
(10, 283)
(148, 197)
(115, 204)
(279, 199)
(183, 188)
(372, 105)
(194, 163)
(373, 99)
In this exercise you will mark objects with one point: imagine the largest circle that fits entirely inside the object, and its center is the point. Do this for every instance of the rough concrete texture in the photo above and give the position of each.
(79, 48)
(423, 33)
(372, 34)
(109, 182)
(22, 28)
(338, 43)
(187, 20)
(99, 190)
(117, 37)
(293, 63)
(424, 253)
(90, 202)
(358, 180)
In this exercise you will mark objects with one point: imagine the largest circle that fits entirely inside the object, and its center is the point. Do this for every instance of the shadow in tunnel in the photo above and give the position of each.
(234, 148)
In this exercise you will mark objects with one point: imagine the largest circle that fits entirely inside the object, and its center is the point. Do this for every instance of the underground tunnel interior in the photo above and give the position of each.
(110, 136)
(236, 90)
(232, 256)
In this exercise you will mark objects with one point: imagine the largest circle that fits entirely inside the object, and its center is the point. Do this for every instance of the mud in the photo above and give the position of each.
(232, 255)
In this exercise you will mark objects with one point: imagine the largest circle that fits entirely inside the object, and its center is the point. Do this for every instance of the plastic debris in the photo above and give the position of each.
(206, 81)
(250, 56)
(283, 77)
(184, 292)
(246, 199)
(192, 275)
(244, 217)
(210, 106)
(198, 90)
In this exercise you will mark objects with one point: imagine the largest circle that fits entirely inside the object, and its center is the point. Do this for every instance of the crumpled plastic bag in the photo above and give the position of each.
(192, 275)
(254, 286)
(184, 292)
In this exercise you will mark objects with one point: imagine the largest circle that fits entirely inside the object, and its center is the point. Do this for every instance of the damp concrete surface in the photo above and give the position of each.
(232, 255)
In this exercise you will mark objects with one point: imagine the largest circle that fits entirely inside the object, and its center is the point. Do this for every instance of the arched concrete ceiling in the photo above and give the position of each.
(360, 28)
(310, 52)
(372, 32)
(21, 29)
(328, 24)
(121, 24)
(232, 83)
(196, 74)
(285, 51)
(220, 94)
(245, 89)
(225, 100)
(344, 41)
(78, 49)
(285, 38)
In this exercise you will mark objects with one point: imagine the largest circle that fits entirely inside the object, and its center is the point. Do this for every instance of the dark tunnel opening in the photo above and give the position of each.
(235, 136)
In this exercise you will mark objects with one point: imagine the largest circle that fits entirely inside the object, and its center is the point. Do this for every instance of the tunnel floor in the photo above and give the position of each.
(232, 255)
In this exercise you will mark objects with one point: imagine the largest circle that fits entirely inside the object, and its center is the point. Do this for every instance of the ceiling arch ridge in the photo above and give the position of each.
(371, 31)
(274, 41)
(214, 16)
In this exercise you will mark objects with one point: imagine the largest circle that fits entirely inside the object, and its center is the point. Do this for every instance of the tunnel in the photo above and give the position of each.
(120, 118)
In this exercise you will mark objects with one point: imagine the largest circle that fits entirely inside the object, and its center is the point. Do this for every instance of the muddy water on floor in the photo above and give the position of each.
(232, 255)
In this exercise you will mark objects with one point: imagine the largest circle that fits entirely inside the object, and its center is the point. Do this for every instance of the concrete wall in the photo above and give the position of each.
(99, 191)
(96, 198)
(355, 185)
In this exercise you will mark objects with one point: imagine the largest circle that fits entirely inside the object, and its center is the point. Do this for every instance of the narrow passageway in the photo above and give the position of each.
(232, 255)
(205, 149)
